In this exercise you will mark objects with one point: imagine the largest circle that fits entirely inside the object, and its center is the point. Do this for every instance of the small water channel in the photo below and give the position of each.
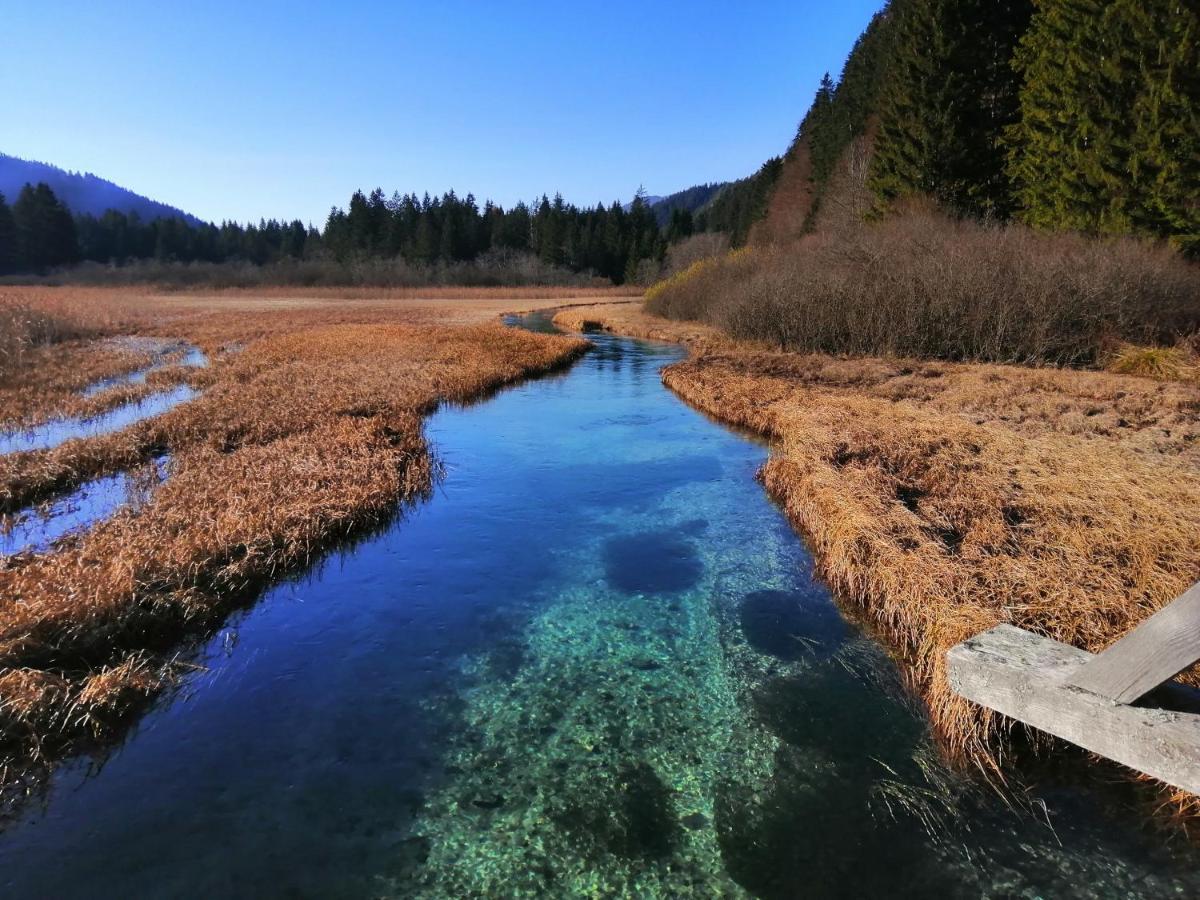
(164, 353)
(596, 663)
(36, 528)
(50, 434)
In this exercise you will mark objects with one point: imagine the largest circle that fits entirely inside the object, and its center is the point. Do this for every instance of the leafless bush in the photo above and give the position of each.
(705, 245)
(925, 285)
(497, 268)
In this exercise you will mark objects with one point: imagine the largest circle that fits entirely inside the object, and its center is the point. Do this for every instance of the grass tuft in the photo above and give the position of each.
(1163, 363)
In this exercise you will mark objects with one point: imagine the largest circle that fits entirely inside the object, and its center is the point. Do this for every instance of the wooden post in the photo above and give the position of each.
(1156, 651)
(1031, 679)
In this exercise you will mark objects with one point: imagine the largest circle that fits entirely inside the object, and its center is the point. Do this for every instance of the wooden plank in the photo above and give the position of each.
(1156, 651)
(1025, 676)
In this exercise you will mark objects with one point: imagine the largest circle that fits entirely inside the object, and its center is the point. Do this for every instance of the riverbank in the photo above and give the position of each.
(307, 429)
(942, 499)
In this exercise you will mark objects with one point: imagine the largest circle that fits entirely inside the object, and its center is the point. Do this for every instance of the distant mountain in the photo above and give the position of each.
(648, 199)
(692, 199)
(82, 192)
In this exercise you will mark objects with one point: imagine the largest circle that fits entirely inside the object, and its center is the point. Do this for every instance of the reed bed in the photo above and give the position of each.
(633, 321)
(941, 499)
(51, 347)
(309, 434)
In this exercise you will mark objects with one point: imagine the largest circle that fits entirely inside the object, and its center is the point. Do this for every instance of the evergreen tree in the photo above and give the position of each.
(1107, 140)
(45, 229)
(9, 259)
(948, 97)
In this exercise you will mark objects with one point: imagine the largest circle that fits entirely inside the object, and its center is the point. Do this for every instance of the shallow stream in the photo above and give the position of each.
(596, 663)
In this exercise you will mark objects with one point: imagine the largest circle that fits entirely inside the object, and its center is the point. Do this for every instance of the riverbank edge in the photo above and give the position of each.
(968, 733)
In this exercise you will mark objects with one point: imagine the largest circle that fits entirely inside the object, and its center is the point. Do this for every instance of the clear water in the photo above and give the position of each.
(36, 528)
(597, 663)
(167, 353)
(58, 431)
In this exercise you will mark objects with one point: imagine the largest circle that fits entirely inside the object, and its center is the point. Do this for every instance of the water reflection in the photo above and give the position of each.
(37, 528)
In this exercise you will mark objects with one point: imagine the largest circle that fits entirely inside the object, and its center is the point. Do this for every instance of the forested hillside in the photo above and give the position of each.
(690, 200)
(82, 192)
(988, 179)
(39, 232)
(1079, 115)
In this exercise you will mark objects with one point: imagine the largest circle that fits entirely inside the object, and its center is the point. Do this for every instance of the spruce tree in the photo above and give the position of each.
(948, 97)
(1107, 139)
(1165, 150)
(45, 229)
(9, 260)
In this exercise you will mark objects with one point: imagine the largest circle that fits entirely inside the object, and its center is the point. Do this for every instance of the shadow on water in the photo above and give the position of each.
(596, 662)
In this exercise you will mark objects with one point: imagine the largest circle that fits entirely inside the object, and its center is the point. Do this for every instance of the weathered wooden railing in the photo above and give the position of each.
(1087, 698)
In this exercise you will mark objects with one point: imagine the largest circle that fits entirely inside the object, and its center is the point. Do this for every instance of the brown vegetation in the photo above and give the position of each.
(927, 286)
(941, 499)
(632, 320)
(49, 351)
(311, 432)
(791, 201)
(514, 270)
(821, 277)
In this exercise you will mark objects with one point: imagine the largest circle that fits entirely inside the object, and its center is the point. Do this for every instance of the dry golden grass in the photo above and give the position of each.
(632, 320)
(1164, 363)
(310, 432)
(48, 335)
(49, 378)
(942, 499)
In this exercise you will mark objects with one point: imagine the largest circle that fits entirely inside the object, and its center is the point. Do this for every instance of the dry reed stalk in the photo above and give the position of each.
(632, 320)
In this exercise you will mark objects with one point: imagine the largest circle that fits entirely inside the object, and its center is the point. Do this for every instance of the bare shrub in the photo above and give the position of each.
(496, 268)
(706, 245)
(924, 285)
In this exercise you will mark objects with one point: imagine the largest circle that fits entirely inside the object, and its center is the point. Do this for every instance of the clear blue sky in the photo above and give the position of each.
(257, 109)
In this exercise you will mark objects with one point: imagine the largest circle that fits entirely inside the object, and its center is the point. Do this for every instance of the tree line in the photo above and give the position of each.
(38, 232)
(1079, 115)
(609, 241)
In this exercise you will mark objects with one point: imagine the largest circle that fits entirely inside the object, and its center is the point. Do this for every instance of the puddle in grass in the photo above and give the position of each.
(37, 528)
(597, 663)
(58, 431)
(165, 354)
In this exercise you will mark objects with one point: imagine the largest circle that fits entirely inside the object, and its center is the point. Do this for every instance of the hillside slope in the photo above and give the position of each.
(82, 192)
(691, 199)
